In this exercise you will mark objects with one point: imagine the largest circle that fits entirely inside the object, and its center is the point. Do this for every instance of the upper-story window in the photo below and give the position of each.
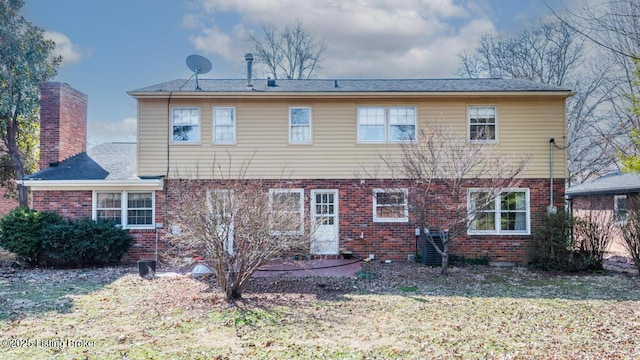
(620, 208)
(224, 125)
(483, 123)
(402, 123)
(386, 124)
(300, 125)
(185, 125)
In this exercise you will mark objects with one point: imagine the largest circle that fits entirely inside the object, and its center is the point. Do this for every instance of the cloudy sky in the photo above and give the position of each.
(110, 47)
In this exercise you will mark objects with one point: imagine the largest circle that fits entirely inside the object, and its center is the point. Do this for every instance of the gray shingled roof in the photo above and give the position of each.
(354, 85)
(608, 184)
(108, 161)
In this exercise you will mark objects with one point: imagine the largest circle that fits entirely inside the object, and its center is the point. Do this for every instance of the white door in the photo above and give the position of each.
(324, 213)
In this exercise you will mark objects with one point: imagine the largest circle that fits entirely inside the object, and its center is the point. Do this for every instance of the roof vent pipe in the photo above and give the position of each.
(249, 58)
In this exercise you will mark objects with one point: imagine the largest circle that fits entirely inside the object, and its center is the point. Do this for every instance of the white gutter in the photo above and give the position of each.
(130, 184)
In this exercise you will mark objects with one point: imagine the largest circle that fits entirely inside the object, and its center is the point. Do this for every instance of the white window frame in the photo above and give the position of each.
(300, 230)
(399, 115)
(309, 126)
(405, 205)
(495, 124)
(216, 126)
(386, 123)
(619, 218)
(498, 212)
(124, 199)
(198, 125)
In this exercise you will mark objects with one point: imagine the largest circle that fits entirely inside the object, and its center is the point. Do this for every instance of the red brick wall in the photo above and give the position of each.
(396, 241)
(77, 205)
(63, 123)
(358, 232)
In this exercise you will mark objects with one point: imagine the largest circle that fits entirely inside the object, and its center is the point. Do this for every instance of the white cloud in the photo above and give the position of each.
(100, 132)
(213, 41)
(70, 52)
(376, 38)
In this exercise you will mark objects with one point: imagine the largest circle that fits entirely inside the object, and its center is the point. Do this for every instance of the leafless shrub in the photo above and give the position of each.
(631, 232)
(593, 233)
(236, 225)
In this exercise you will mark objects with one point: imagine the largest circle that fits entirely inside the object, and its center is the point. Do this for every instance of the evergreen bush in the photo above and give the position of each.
(84, 242)
(21, 232)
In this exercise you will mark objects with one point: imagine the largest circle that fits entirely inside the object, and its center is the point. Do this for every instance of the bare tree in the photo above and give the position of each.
(613, 27)
(555, 53)
(291, 53)
(237, 225)
(444, 168)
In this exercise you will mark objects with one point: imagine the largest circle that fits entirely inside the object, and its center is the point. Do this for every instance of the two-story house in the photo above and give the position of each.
(322, 135)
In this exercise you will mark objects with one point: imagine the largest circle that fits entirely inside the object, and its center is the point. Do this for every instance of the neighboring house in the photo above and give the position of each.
(606, 198)
(325, 136)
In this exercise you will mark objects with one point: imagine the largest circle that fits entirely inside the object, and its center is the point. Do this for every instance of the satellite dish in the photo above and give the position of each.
(199, 65)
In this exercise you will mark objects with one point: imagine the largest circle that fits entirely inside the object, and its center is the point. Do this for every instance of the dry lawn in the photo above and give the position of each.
(391, 311)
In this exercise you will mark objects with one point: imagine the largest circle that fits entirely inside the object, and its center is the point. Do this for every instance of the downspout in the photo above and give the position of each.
(551, 142)
(168, 132)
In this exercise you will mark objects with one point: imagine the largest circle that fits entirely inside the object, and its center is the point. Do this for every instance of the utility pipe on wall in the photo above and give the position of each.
(551, 142)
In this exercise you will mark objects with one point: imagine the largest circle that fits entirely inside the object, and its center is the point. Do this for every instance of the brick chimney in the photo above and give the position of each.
(63, 123)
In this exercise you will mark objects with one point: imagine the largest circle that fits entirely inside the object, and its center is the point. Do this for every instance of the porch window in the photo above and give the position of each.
(129, 209)
(390, 205)
(506, 213)
(620, 209)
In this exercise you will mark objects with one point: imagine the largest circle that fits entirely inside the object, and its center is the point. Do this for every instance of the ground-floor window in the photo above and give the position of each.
(129, 209)
(507, 213)
(390, 205)
(620, 208)
(287, 208)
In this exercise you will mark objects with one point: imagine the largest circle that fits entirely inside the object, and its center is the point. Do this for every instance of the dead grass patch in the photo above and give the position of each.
(405, 311)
